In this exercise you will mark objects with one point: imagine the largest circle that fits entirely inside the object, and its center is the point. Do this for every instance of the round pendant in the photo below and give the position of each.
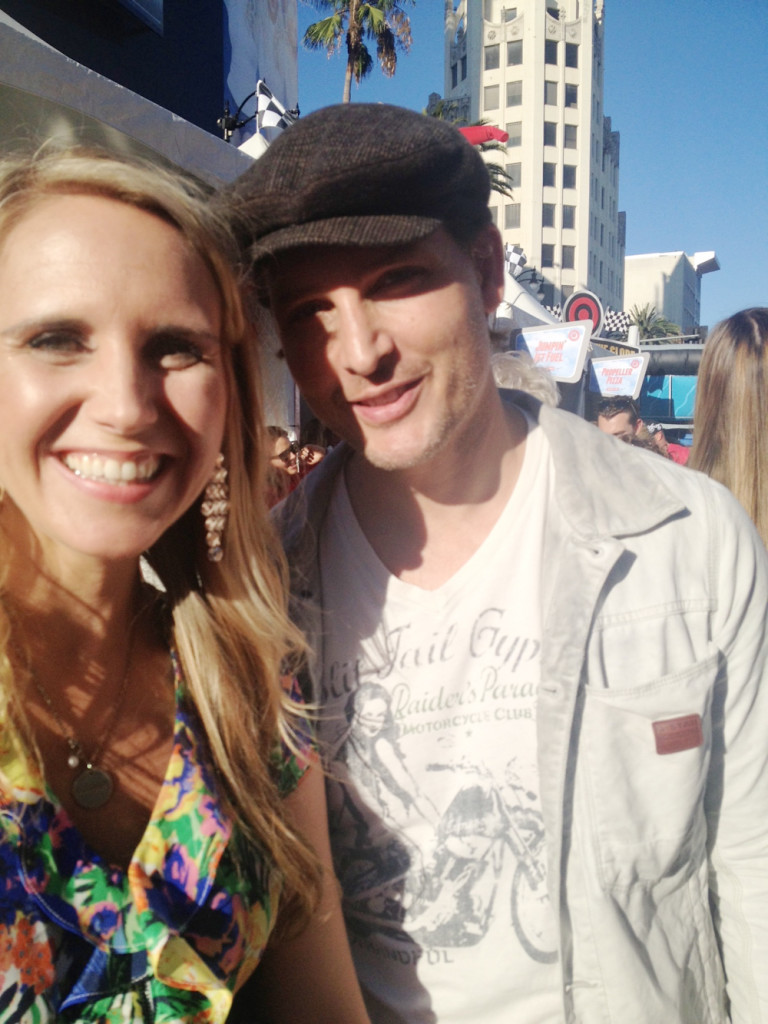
(92, 788)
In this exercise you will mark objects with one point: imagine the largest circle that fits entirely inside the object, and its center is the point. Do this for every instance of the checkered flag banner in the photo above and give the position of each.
(270, 113)
(514, 259)
(615, 321)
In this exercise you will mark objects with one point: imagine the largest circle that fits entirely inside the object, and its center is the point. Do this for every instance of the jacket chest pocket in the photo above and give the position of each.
(643, 766)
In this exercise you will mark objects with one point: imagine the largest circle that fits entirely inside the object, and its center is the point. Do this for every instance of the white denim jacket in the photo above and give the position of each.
(655, 596)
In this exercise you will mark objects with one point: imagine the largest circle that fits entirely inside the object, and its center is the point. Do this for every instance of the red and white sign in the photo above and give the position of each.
(584, 305)
(559, 348)
(618, 375)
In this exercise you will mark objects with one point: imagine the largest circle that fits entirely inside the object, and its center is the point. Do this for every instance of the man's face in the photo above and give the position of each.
(389, 346)
(620, 425)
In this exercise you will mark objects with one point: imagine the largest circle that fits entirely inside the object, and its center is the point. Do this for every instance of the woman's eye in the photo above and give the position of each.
(56, 343)
(171, 353)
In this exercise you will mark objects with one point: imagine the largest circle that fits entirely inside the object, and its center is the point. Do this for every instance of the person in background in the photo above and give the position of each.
(290, 461)
(676, 452)
(283, 469)
(540, 658)
(160, 809)
(619, 417)
(730, 419)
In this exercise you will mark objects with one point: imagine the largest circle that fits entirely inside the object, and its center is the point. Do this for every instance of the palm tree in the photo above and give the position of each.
(354, 21)
(447, 110)
(653, 325)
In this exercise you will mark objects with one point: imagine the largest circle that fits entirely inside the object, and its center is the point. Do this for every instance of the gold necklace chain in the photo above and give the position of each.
(92, 787)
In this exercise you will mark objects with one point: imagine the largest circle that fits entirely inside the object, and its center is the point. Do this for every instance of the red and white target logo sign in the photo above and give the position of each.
(584, 306)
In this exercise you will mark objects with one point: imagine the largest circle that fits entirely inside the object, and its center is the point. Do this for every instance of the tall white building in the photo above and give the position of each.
(535, 69)
(670, 282)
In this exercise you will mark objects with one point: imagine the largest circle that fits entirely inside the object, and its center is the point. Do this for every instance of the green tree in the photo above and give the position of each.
(653, 325)
(352, 22)
(447, 110)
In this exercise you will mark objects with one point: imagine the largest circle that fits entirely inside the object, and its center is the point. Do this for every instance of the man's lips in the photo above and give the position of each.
(389, 405)
(387, 397)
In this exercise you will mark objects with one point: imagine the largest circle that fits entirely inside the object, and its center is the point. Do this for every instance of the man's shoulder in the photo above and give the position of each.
(608, 486)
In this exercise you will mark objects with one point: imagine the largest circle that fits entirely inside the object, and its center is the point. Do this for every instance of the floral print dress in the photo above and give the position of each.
(168, 939)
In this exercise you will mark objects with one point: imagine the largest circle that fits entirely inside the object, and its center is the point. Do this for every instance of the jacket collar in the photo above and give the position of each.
(604, 487)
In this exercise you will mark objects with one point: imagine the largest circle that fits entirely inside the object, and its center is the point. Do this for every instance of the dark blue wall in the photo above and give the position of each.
(182, 69)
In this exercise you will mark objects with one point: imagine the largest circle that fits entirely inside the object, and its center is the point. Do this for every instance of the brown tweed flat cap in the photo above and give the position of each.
(360, 174)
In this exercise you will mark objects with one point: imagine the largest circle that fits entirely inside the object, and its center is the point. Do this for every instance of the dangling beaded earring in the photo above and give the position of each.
(215, 509)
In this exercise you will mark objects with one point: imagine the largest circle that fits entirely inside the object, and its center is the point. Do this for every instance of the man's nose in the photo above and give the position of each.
(361, 339)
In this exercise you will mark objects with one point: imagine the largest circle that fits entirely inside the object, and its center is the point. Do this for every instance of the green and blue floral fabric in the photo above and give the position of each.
(170, 939)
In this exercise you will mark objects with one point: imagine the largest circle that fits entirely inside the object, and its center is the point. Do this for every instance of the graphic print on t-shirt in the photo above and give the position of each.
(429, 734)
(437, 850)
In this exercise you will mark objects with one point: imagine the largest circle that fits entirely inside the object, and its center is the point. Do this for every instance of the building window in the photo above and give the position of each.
(550, 133)
(550, 93)
(514, 94)
(491, 97)
(515, 51)
(571, 95)
(600, 275)
(510, 13)
(571, 55)
(492, 57)
(514, 174)
(549, 174)
(548, 215)
(569, 216)
(550, 51)
(553, 11)
(547, 292)
(569, 176)
(515, 132)
(566, 291)
(511, 215)
(547, 255)
(569, 255)
(569, 138)
(602, 198)
(454, 75)
(463, 68)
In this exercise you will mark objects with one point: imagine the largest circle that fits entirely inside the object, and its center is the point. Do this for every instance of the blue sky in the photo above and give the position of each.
(686, 82)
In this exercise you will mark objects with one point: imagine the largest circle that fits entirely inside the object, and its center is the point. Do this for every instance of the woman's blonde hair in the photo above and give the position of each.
(731, 413)
(230, 623)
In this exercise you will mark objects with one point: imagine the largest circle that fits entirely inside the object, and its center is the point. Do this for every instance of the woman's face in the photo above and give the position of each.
(111, 374)
(282, 456)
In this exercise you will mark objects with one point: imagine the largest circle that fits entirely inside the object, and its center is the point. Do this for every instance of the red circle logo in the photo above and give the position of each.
(584, 306)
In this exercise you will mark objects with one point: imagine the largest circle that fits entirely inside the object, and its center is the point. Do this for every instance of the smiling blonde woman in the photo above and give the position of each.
(158, 796)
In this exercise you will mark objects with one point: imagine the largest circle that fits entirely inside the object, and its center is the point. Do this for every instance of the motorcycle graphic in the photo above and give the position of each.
(484, 825)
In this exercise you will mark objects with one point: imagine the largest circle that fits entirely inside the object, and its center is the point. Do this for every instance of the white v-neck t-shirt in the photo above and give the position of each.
(428, 728)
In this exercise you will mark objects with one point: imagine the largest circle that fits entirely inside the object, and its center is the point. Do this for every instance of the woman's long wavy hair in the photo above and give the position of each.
(730, 421)
(229, 619)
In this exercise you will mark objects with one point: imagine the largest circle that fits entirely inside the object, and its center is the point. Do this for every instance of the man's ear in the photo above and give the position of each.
(487, 252)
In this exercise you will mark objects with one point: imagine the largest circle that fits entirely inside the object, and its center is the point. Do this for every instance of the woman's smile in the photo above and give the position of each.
(114, 389)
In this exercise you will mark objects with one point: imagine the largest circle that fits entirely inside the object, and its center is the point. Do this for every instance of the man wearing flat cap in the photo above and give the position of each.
(536, 653)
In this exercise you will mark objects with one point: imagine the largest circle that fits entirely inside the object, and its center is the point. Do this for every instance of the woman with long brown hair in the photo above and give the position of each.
(158, 799)
(730, 422)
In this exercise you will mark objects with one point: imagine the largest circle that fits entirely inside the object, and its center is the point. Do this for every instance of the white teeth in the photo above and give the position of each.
(113, 471)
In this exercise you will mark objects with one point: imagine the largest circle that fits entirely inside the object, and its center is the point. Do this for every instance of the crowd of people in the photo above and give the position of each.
(469, 729)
